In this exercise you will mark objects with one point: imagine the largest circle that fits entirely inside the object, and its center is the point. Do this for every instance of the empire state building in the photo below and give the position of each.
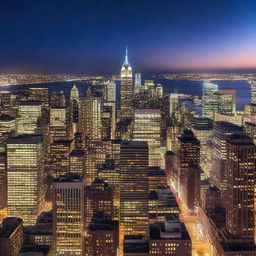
(126, 89)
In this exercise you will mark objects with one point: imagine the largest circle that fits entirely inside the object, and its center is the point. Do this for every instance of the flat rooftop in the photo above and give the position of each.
(9, 225)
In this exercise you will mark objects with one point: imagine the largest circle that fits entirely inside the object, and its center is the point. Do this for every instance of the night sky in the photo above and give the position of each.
(90, 35)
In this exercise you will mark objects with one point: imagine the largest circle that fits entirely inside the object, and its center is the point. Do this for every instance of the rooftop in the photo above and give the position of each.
(9, 225)
(25, 139)
(71, 177)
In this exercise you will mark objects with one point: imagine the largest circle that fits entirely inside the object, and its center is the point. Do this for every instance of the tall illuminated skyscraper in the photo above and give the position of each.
(147, 127)
(29, 114)
(91, 113)
(25, 177)
(189, 156)
(134, 190)
(7, 129)
(253, 92)
(227, 102)
(74, 112)
(68, 215)
(241, 164)
(3, 181)
(137, 84)
(209, 99)
(110, 91)
(219, 152)
(126, 89)
(58, 123)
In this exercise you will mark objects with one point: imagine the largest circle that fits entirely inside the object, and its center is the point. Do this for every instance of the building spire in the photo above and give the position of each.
(126, 62)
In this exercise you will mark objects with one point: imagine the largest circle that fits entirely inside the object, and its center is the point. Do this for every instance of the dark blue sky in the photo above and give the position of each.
(82, 36)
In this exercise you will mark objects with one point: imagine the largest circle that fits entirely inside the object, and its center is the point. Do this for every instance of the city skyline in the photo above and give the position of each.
(90, 36)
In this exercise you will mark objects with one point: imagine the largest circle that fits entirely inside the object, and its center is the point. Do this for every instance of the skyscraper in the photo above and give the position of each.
(68, 215)
(189, 158)
(110, 91)
(58, 123)
(137, 84)
(133, 190)
(219, 152)
(25, 177)
(91, 123)
(241, 164)
(253, 92)
(147, 127)
(126, 89)
(74, 111)
(29, 115)
(209, 99)
(7, 129)
(227, 102)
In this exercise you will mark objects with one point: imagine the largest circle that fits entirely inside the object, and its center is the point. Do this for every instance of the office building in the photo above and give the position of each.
(202, 129)
(189, 156)
(227, 102)
(25, 177)
(253, 92)
(241, 164)
(3, 181)
(133, 190)
(98, 198)
(169, 238)
(77, 161)
(209, 99)
(137, 83)
(11, 236)
(219, 152)
(110, 91)
(7, 129)
(91, 123)
(68, 214)
(59, 157)
(58, 123)
(29, 121)
(147, 127)
(102, 236)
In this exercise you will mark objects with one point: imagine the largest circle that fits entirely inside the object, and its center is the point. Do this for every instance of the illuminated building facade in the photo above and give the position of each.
(202, 129)
(29, 114)
(74, 111)
(108, 120)
(169, 238)
(102, 236)
(11, 236)
(147, 127)
(219, 152)
(58, 123)
(98, 198)
(241, 164)
(59, 157)
(111, 174)
(156, 178)
(91, 114)
(209, 99)
(189, 156)
(137, 83)
(110, 91)
(227, 102)
(68, 215)
(3, 181)
(126, 90)
(7, 129)
(134, 190)
(253, 92)
(25, 177)
(77, 161)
